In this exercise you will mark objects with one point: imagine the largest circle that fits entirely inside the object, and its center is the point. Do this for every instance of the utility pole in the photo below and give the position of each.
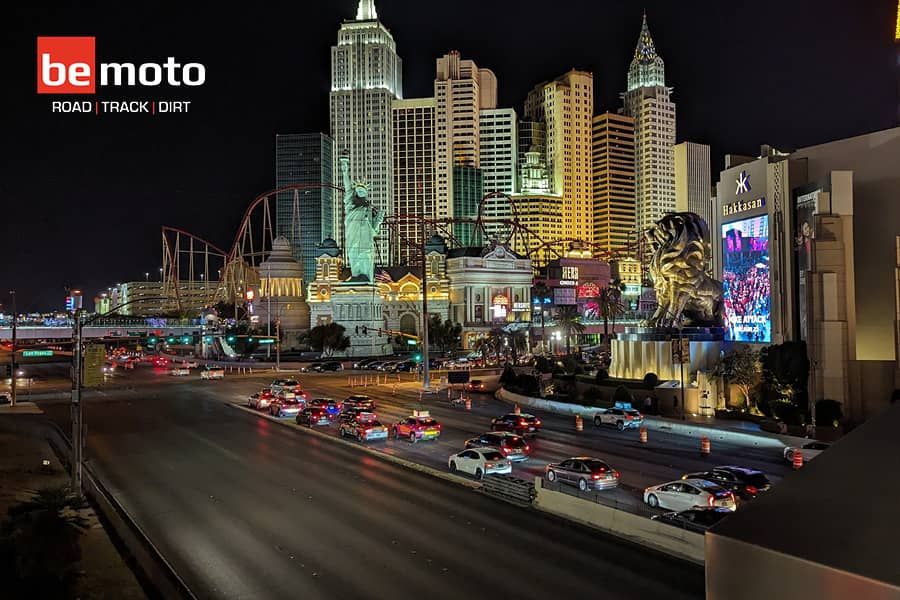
(77, 411)
(12, 360)
(278, 344)
(426, 378)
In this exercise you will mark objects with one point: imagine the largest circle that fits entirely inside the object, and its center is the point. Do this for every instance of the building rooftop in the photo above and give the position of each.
(839, 510)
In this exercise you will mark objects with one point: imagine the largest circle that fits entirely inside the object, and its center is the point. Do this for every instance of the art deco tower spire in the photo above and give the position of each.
(647, 68)
(366, 11)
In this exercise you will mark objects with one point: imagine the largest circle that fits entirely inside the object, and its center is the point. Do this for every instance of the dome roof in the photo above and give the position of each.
(329, 247)
(436, 244)
(280, 262)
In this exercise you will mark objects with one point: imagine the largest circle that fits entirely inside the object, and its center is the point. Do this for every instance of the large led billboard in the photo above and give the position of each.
(746, 280)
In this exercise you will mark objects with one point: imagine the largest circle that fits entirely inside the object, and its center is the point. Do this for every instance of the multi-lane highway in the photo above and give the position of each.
(246, 508)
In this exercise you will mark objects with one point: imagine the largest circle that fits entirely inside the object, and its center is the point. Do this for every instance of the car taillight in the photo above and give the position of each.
(616, 474)
(595, 476)
(712, 501)
(488, 465)
(504, 450)
(527, 447)
(521, 421)
(751, 489)
(537, 421)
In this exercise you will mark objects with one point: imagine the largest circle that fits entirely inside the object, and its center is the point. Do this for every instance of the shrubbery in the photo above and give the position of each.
(828, 413)
(786, 411)
(651, 380)
(602, 375)
(622, 395)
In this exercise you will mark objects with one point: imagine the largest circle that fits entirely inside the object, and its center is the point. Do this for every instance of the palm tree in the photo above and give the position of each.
(541, 291)
(570, 321)
(610, 306)
(517, 344)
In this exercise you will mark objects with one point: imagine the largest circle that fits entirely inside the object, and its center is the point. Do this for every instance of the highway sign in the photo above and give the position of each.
(94, 357)
(36, 353)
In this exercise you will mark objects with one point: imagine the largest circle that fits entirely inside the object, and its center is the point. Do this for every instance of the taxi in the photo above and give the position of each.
(418, 426)
(365, 428)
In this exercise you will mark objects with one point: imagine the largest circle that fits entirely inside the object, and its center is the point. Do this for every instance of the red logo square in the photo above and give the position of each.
(66, 65)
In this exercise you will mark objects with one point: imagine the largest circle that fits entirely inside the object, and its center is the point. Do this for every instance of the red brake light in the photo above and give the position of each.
(521, 421)
(527, 447)
(488, 465)
(504, 450)
(751, 489)
(595, 476)
(712, 501)
(616, 473)
(537, 421)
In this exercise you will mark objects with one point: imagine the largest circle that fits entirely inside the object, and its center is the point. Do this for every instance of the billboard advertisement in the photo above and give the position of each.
(746, 280)
(804, 239)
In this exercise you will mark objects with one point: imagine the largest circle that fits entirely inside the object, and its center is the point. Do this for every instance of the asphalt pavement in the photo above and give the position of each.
(246, 508)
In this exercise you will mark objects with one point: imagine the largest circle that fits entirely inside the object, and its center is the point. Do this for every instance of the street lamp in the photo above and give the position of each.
(12, 360)
(77, 409)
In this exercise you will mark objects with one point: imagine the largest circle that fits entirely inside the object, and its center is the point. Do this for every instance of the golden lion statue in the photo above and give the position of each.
(685, 293)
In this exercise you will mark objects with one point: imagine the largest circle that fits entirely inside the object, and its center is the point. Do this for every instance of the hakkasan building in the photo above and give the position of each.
(807, 245)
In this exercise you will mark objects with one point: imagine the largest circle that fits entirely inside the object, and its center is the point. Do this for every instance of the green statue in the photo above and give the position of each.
(361, 224)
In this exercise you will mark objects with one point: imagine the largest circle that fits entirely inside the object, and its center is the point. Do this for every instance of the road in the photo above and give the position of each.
(246, 508)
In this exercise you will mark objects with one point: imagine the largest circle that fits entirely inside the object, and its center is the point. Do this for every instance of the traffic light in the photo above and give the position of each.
(417, 357)
(208, 339)
(152, 340)
(249, 340)
(170, 339)
(185, 339)
(231, 339)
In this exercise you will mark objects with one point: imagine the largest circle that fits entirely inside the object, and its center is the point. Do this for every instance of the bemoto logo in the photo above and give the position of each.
(66, 65)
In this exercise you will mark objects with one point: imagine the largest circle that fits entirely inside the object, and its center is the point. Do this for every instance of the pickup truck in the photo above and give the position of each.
(620, 418)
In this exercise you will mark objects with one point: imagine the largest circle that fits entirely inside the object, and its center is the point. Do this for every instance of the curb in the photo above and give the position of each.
(411, 465)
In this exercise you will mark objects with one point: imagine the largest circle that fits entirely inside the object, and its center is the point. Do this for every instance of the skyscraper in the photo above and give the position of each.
(648, 101)
(304, 217)
(613, 171)
(414, 173)
(461, 91)
(565, 106)
(468, 189)
(693, 181)
(499, 151)
(366, 77)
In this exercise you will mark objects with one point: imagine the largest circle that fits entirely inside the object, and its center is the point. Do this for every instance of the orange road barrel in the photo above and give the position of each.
(796, 459)
(516, 409)
(579, 423)
(643, 433)
(704, 446)
(468, 403)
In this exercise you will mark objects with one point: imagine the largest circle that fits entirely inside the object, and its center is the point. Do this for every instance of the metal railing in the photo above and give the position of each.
(635, 506)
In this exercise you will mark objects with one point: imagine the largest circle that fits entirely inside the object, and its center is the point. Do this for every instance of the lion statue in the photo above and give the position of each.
(685, 293)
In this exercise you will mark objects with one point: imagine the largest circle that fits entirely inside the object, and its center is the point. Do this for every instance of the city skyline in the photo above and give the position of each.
(714, 107)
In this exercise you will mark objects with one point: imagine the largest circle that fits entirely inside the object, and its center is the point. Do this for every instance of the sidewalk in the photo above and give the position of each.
(103, 572)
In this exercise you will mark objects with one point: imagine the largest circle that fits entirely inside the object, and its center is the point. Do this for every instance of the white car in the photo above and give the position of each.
(479, 462)
(190, 364)
(809, 450)
(687, 494)
(179, 371)
(213, 373)
(280, 384)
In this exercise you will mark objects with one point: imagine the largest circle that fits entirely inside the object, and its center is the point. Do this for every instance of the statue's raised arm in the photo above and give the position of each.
(344, 161)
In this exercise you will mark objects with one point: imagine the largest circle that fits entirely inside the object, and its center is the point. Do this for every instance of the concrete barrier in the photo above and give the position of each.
(670, 540)
(761, 438)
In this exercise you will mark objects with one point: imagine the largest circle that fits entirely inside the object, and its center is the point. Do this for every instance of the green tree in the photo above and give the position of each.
(444, 334)
(741, 368)
(517, 343)
(570, 321)
(610, 305)
(328, 339)
(785, 373)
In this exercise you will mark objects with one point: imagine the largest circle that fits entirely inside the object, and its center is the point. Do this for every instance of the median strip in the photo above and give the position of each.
(414, 466)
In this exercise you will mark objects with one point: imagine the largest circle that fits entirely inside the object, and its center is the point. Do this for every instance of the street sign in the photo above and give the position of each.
(267, 340)
(36, 353)
(94, 357)
(681, 351)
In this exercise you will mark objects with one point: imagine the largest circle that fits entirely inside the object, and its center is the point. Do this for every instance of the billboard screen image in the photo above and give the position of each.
(746, 280)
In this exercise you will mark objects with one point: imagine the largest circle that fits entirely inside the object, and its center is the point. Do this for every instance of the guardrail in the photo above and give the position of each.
(152, 564)
(660, 536)
(599, 497)
(511, 489)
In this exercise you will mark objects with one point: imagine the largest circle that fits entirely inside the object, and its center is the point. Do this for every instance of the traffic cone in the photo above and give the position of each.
(516, 409)
(643, 432)
(796, 459)
(579, 423)
(704, 446)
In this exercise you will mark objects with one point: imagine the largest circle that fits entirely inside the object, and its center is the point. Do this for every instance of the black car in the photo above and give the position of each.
(360, 401)
(331, 365)
(522, 424)
(312, 416)
(364, 363)
(695, 519)
(407, 366)
(743, 482)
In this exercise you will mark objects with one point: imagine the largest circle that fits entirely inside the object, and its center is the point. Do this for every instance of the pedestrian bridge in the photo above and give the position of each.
(102, 328)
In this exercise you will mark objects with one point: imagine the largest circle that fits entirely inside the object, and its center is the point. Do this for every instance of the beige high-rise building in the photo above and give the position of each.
(693, 180)
(414, 173)
(461, 92)
(565, 106)
(539, 215)
(613, 172)
(648, 101)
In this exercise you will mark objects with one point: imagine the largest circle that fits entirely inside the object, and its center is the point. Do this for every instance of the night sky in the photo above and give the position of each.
(84, 197)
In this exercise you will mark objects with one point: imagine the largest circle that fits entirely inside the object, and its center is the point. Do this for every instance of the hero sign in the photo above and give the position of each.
(65, 65)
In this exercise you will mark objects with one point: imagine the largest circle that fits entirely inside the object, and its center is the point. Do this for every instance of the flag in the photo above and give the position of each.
(383, 277)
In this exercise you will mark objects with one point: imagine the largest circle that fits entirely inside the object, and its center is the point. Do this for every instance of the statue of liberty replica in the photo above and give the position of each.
(362, 222)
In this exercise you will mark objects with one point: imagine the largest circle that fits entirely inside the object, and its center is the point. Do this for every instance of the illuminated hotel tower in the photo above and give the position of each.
(647, 100)
(366, 77)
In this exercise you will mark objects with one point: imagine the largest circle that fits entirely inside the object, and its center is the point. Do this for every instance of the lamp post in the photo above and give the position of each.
(77, 410)
(12, 360)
